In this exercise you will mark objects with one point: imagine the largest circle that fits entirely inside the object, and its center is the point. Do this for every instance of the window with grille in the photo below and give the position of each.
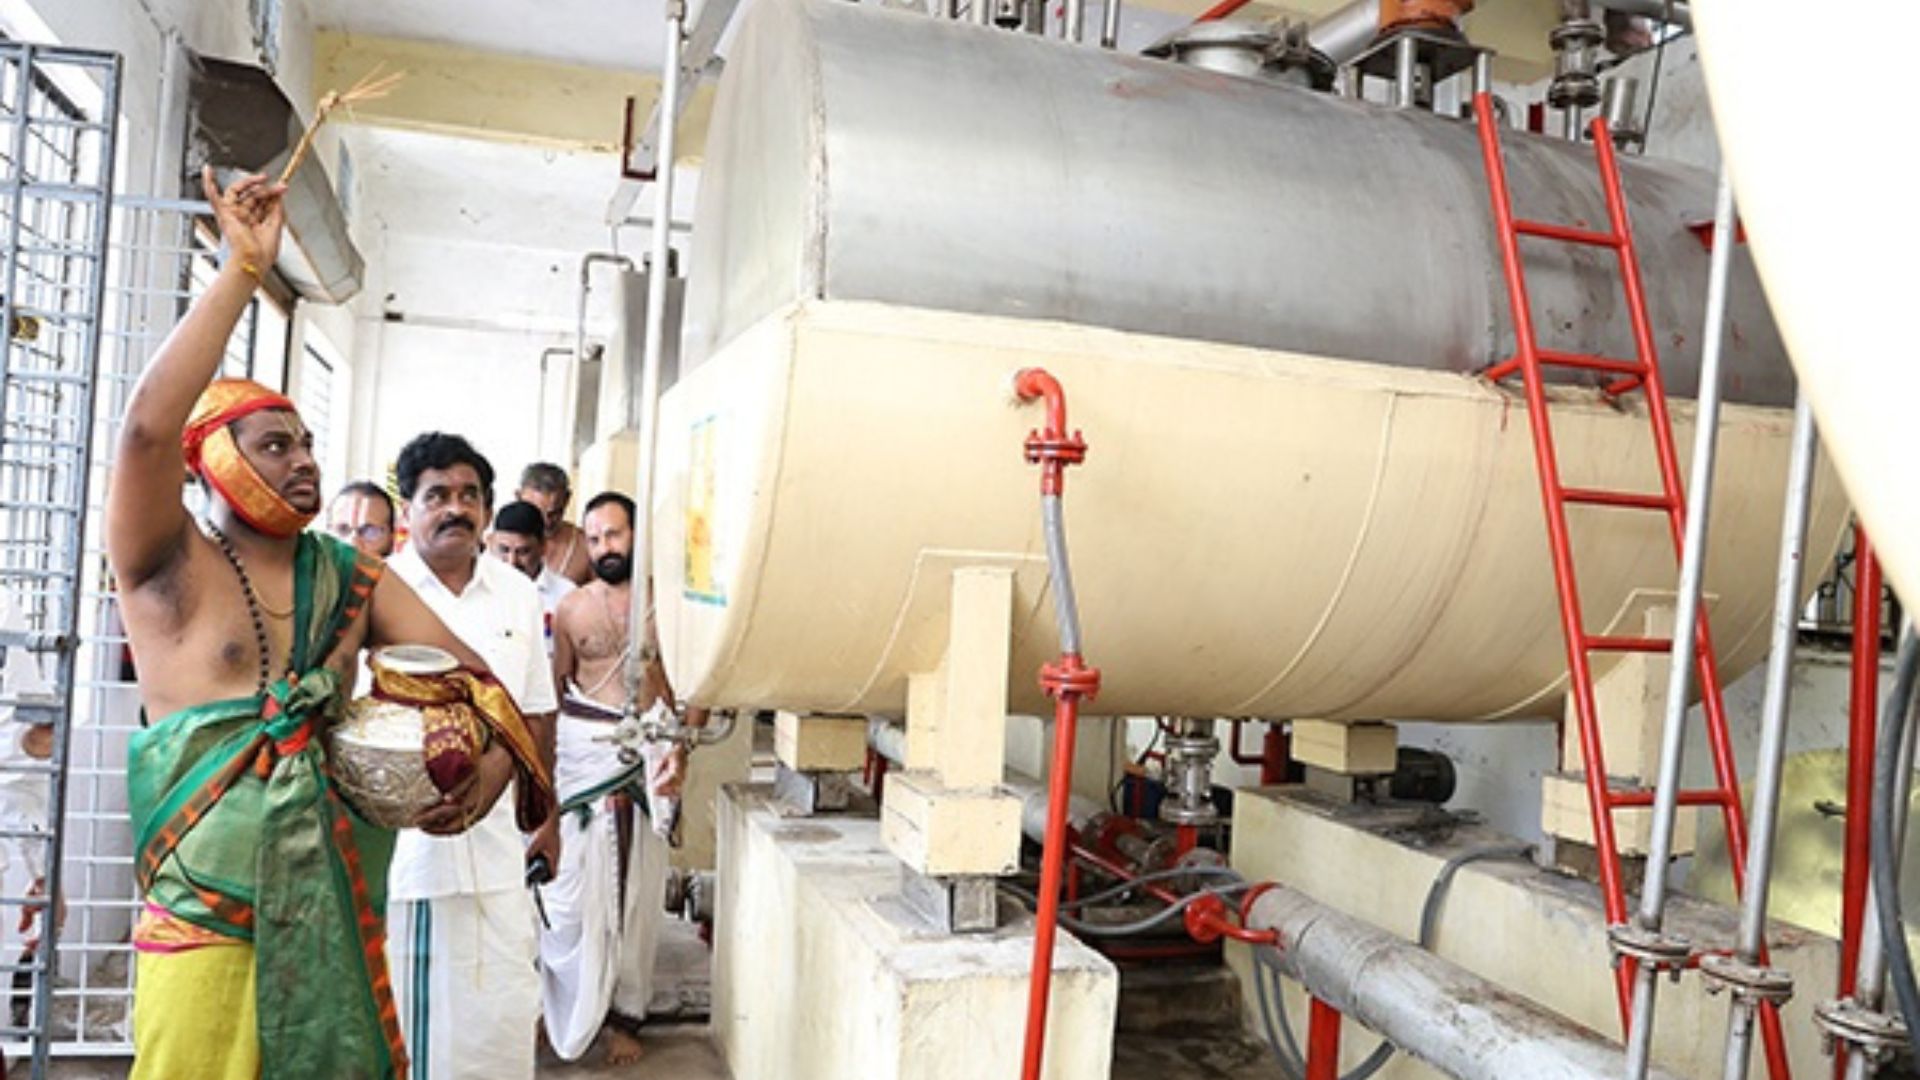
(258, 348)
(316, 402)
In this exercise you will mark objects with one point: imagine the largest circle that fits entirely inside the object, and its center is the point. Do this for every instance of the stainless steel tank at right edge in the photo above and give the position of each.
(1266, 305)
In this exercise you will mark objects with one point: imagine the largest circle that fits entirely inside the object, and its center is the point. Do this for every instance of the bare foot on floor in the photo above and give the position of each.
(622, 1048)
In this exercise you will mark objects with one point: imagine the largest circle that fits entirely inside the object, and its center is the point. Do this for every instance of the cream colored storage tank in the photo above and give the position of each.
(1266, 306)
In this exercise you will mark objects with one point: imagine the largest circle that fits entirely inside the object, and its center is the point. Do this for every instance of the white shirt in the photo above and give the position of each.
(499, 617)
(553, 588)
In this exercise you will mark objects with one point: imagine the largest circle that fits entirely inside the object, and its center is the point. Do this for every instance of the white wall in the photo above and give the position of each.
(474, 253)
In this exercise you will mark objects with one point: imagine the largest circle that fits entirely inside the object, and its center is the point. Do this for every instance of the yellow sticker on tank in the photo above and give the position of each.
(702, 583)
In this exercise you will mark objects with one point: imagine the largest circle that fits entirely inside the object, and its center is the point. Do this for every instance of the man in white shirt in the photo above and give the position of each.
(519, 539)
(461, 928)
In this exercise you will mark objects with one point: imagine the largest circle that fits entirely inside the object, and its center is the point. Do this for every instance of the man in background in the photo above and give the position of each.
(518, 538)
(605, 905)
(460, 922)
(546, 486)
(362, 515)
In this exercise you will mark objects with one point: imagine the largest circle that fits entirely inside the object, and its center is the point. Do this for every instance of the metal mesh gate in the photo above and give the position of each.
(160, 258)
(56, 170)
(152, 247)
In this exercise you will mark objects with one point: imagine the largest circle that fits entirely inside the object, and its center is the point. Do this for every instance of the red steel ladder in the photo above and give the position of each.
(1642, 372)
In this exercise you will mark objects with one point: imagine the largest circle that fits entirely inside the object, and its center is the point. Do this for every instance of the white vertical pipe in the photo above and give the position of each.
(1693, 552)
(640, 644)
(1773, 731)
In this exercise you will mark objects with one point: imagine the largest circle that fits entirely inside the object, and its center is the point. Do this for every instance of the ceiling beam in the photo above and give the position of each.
(452, 90)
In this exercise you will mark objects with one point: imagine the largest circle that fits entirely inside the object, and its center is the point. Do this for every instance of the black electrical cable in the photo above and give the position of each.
(1280, 1036)
(1891, 780)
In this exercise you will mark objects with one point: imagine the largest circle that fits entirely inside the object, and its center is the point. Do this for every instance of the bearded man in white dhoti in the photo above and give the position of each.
(605, 905)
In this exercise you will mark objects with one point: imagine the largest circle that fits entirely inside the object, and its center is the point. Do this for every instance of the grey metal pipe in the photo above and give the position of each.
(587, 263)
(1066, 608)
(1345, 32)
(1405, 71)
(1686, 624)
(1033, 806)
(1110, 25)
(1773, 729)
(1076, 20)
(983, 12)
(640, 643)
(1673, 11)
(946, 9)
(1430, 1008)
(540, 407)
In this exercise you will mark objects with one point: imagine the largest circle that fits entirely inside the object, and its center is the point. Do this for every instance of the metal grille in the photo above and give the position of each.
(153, 248)
(161, 258)
(316, 403)
(56, 169)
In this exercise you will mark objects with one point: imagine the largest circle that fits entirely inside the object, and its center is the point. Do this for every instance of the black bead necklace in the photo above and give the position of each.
(253, 604)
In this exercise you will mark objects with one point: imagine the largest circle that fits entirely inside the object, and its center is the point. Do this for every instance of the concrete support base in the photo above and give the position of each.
(1537, 933)
(823, 971)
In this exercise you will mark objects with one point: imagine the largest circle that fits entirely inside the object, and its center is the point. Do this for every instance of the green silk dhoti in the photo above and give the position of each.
(239, 832)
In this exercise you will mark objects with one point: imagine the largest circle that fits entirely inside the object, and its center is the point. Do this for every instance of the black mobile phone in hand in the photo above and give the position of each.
(539, 870)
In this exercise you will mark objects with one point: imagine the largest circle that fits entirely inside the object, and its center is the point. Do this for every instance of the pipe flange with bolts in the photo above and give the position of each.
(1751, 983)
(1877, 1036)
(1658, 951)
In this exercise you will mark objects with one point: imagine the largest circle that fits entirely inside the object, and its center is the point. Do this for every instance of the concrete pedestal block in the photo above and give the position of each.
(1361, 749)
(821, 971)
(1564, 812)
(812, 742)
(943, 833)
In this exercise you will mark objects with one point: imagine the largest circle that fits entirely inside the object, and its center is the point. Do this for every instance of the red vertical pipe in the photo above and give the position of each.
(1066, 716)
(1274, 754)
(1067, 681)
(1862, 708)
(1323, 1041)
(1185, 839)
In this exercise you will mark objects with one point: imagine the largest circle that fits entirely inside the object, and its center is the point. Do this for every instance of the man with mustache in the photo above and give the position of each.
(605, 905)
(259, 947)
(461, 923)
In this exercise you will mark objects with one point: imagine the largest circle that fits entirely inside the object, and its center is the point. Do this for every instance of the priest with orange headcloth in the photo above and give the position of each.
(260, 949)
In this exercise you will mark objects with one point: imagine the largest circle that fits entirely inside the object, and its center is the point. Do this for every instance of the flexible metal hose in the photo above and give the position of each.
(1892, 778)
